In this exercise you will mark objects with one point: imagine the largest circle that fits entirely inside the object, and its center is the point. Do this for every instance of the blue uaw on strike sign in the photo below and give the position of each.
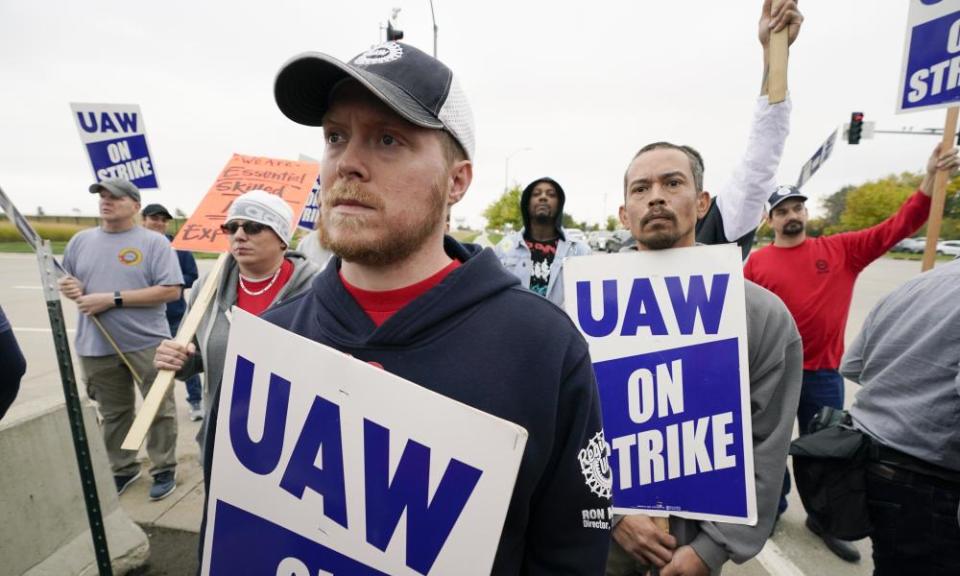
(311, 210)
(324, 464)
(667, 335)
(931, 56)
(116, 141)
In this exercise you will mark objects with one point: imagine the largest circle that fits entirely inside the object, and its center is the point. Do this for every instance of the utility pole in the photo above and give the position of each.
(506, 166)
(434, 17)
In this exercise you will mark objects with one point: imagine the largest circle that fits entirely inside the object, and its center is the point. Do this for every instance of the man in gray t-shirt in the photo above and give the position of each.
(907, 357)
(124, 275)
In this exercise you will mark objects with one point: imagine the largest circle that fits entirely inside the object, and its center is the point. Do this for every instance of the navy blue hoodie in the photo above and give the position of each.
(481, 339)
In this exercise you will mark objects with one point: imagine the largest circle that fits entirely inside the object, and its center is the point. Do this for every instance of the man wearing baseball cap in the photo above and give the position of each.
(815, 277)
(124, 275)
(399, 149)
(156, 217)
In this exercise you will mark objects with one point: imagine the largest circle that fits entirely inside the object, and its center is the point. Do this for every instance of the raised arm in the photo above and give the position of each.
(742, 198)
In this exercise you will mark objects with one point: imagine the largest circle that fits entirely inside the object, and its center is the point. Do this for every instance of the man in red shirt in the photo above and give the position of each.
(815, 277)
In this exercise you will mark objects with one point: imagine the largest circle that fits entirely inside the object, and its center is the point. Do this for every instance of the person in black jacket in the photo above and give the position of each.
(402, 296)
(156, 218)
(12, 365)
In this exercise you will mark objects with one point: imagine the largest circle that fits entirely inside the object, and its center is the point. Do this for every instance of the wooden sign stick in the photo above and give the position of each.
(777, 77)
(163, 381)
(939, 196)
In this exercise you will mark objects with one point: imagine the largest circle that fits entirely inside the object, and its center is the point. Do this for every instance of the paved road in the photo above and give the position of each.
(793, 550)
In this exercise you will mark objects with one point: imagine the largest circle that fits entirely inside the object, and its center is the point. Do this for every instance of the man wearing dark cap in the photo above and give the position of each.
(399, 149)
(815, 277)
(156, 217)
(535, 253)
(124, 275)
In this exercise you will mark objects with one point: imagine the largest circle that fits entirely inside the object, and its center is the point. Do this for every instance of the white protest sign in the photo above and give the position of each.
(667, 335)
(930, 77)
(116, 140)
(324, 464)
(817, 160)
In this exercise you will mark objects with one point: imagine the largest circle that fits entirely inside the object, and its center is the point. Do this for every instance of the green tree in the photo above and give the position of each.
(873, 202)
(833, 205)
(505, 210)
(815, 227)
(612, 223)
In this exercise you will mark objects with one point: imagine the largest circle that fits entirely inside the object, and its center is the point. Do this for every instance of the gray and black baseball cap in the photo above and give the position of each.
(782, 194)
(417, 86)
(152, 209)
(117, 187)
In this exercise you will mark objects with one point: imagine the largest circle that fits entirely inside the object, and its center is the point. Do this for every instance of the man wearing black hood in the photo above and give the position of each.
(535, 254)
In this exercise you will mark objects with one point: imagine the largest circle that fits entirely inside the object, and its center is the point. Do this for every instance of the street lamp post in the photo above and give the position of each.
(434, 17)
(506, 166)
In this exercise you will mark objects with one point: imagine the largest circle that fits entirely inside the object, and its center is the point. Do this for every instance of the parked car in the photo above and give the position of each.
(911, 245)
(949, 247)
(599, 239)
(618, 240)
(575, 234)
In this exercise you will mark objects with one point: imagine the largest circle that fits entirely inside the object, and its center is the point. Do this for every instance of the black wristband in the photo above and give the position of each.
(117, 299)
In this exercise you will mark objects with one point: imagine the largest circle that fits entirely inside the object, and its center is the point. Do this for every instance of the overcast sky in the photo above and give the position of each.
(582, 85)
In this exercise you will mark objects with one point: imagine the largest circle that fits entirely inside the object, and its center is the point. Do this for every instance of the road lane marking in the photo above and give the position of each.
(776, 562)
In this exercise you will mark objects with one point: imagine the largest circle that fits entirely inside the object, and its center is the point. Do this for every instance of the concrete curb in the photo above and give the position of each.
(40, 488)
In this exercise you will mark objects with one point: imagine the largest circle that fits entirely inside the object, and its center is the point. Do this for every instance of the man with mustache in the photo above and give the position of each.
(401, 295)
(815, 277)
(535, 253)
(663, 198)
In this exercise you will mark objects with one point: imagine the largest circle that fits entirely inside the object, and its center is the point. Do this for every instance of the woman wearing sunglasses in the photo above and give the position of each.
(259, 273)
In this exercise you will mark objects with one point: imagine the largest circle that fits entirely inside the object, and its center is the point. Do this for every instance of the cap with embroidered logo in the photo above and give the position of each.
(782, 194)
(417, 86)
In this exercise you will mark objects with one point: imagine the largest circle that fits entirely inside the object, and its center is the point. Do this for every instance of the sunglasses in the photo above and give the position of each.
(249, 228)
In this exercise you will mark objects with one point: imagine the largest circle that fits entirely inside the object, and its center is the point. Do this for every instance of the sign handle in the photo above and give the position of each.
(939, 196)
(116, 348)
(777, 77)
(662, 523)
(164, 380)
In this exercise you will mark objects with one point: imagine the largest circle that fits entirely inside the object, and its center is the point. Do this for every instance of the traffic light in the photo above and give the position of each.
(856, 128)
(394, 32)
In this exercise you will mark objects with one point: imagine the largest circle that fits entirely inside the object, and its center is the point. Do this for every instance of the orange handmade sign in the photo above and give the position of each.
(288, 179)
